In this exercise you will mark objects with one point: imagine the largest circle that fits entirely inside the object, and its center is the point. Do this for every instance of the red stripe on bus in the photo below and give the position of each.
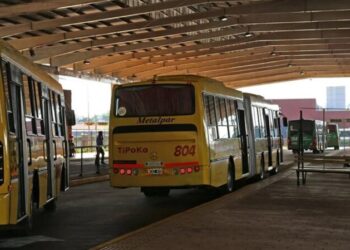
(119, 165)
(181, 164)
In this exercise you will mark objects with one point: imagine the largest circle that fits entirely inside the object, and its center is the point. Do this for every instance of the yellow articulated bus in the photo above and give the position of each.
(183, 131)
(33, 143)
(263, 120)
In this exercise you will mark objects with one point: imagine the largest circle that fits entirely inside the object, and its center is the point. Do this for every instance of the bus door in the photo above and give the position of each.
(48, 145)
(244, 137)
(280, 136)
(65, 168)
(268, 134)
(17, 141)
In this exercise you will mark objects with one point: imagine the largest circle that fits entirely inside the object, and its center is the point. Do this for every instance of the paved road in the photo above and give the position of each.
(91, 214)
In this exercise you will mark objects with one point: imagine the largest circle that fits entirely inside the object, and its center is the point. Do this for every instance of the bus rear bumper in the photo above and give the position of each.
(194, 179)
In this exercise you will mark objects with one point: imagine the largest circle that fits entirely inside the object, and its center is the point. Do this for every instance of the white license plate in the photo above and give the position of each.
(153, 164)
(155, 171)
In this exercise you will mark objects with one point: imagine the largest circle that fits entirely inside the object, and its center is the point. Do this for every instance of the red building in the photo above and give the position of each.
(290, 108)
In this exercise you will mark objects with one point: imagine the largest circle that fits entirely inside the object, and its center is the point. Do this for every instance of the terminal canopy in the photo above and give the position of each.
(239, 42)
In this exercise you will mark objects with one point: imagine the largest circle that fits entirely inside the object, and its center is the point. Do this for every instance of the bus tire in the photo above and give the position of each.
(51, 206)
(230, 185)
(262, 168)
(336, 147)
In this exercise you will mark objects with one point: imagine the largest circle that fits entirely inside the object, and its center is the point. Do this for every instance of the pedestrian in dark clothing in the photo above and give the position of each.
(99, 150)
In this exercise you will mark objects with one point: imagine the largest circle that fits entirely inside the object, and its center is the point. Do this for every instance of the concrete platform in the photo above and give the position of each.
(89, 174)
(270, 214)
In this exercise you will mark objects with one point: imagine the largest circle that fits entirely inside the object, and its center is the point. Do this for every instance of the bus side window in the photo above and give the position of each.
(221, 117)
(39, 123)
(256, 122)
(53, 100)
(232, 118)
(29, 104)
(271, 118)
(261, 122)
(210, 117)
(6, 80)
(59, 112)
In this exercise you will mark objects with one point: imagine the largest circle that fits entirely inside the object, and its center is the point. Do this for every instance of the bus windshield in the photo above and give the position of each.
(155, 100)
(294, 126)
(332, 128)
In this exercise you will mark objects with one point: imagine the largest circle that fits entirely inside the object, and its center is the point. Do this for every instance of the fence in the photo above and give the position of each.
(85, 139)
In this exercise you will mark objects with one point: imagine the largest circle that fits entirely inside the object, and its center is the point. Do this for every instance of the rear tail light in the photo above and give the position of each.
(189, 170)
(196, 168)
(182, 171)
(128, 171)
(314, 142)
(122, 171)
(1, 164)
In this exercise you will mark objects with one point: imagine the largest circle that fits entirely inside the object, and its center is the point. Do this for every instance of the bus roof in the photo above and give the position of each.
(261, 101)
(204, 83)
(25, 64)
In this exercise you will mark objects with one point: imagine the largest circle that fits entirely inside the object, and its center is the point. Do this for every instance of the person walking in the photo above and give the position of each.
(99, 150)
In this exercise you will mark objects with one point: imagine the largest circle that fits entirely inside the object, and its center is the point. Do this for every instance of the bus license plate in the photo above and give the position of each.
(155, 171)
(153, 164)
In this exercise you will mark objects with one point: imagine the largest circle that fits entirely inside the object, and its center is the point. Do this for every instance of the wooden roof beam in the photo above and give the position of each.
(215, 71)
(56, 50)
(123, 12)
(43, 5)
(281, 70)
(44, 52)
(204, 61)
(221, 72)
(272, 16)
(266, 79)
(284, 77)
(284, 35)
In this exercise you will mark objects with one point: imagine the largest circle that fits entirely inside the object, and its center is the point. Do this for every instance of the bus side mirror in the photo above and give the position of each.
(70, 115)
(285, 121)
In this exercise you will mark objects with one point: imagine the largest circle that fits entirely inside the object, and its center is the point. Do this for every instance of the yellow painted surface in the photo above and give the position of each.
(43, 188)
(13, 203)
(164, 144)
(4, 209)
(9, 199)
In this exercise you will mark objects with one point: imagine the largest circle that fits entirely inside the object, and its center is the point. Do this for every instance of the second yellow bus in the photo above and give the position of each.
(186, 131)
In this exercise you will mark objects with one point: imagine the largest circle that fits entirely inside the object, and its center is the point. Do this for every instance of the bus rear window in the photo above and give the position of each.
(308, 126)
(332, 128)
(155, 100)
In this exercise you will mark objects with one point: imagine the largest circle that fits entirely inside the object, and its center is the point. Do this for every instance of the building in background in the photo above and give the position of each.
(336, 97)
(290, 108)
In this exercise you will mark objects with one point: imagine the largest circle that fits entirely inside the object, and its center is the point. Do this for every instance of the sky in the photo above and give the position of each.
(91, 98)
(306, 88)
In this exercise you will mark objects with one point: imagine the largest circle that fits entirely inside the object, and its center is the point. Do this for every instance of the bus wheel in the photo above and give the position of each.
(230, 186)
(336, 148)
(51, 206)
(315, 151)
(262, 169)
